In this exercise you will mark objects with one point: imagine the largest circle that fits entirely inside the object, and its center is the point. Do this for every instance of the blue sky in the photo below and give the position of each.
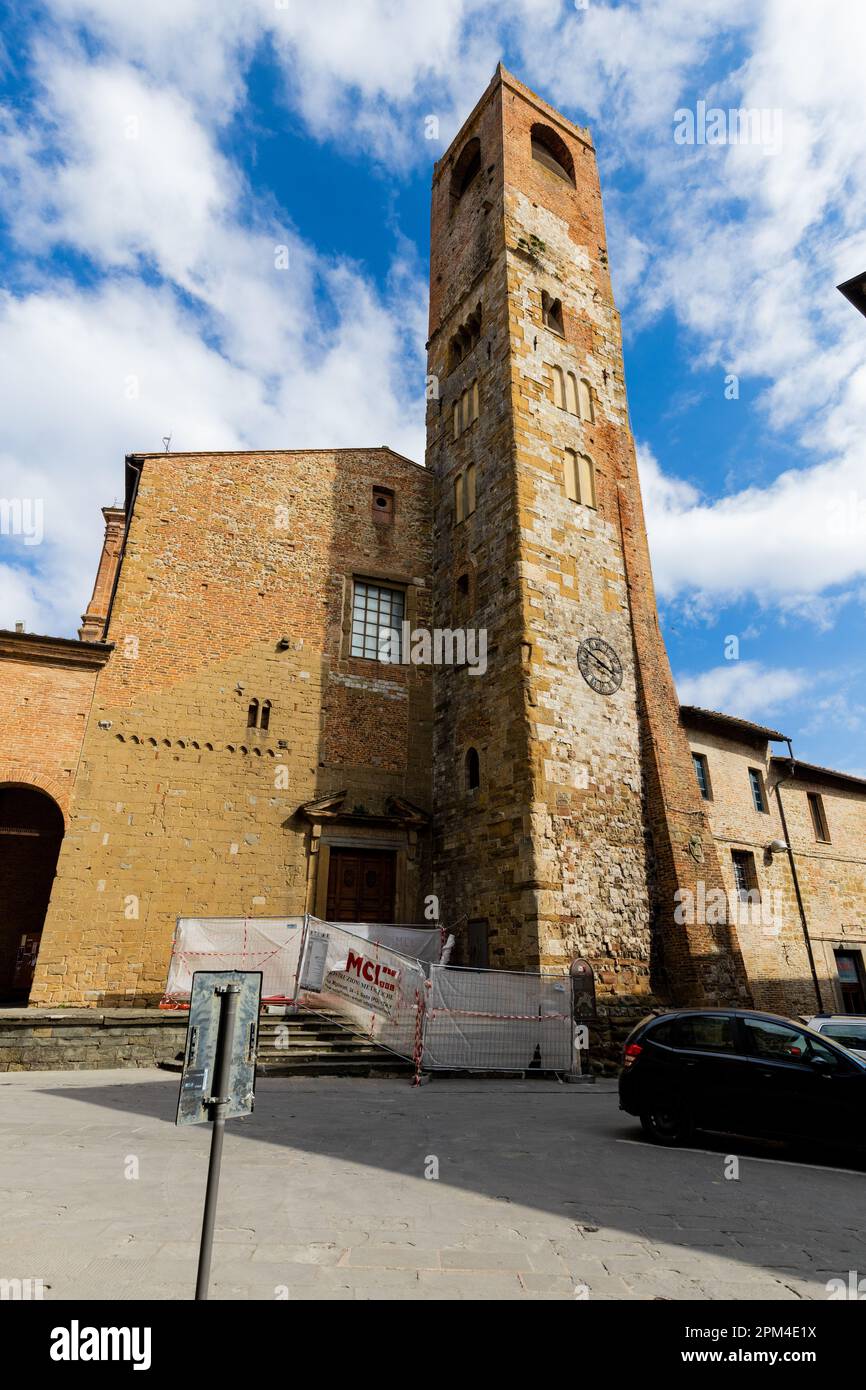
(154, 157)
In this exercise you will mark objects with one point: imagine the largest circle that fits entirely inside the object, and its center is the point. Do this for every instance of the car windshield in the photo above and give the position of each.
(848, 1034)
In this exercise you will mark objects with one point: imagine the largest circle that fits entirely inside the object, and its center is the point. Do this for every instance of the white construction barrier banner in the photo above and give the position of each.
(377, 990)
(269, 944)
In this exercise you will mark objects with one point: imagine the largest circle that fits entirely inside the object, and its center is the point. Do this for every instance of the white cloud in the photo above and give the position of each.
(745, 248)
(747, 687)
(746, 543)
(195, 329)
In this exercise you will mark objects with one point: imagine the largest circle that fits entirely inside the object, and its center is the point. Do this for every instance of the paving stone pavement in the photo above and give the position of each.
(544, 1191)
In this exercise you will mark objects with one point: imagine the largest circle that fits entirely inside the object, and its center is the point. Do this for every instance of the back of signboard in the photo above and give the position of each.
(200, 1057)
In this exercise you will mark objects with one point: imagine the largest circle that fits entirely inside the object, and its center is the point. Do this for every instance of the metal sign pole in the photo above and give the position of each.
(218, 1104)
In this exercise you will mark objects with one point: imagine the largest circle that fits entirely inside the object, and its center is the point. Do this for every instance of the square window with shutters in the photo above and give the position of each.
(377, 619)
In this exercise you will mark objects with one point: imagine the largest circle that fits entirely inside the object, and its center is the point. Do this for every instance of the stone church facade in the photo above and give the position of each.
(226, 739)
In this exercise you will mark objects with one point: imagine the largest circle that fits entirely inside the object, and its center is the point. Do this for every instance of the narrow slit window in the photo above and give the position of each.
(571, 394)
(585, 481)
(702, 773)
(459, 504)
(819, 819)
(473, 769)
(265, 720)
(584, 400)
(253, 714)
(756, 782)
(571, 475)
(470, 489)
(559, 388)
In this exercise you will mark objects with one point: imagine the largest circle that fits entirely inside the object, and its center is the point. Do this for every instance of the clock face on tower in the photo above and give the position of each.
(599, 665)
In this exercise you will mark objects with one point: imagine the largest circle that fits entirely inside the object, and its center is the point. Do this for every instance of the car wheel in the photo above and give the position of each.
(666, 1126)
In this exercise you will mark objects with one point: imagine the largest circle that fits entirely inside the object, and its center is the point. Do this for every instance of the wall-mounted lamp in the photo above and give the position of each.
(777, 847)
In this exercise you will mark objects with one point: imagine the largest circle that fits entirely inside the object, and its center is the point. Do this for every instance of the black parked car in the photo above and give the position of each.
(743, 1072)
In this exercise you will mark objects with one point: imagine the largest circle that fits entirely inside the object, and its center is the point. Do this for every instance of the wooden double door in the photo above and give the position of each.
(361, 885)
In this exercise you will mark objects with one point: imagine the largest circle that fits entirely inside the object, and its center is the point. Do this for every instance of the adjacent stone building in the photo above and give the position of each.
(791, 839)
(231, 735)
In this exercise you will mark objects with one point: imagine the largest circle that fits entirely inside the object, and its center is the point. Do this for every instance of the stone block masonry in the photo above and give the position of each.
(88, 1039)
(575, 839)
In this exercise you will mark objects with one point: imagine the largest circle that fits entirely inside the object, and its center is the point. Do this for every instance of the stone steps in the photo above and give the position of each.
(317, 1045)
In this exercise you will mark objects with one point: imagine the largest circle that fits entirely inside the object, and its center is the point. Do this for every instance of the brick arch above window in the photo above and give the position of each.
(551, 151)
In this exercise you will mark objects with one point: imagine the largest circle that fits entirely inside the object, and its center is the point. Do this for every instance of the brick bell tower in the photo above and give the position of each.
(566, 809)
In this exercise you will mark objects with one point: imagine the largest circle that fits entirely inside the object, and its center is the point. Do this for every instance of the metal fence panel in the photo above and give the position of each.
(496, 1020)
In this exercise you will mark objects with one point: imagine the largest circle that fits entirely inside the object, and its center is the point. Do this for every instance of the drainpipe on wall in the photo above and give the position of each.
(799, 896)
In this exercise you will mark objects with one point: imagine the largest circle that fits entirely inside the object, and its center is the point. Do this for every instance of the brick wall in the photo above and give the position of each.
(236, 585)
(46, 687)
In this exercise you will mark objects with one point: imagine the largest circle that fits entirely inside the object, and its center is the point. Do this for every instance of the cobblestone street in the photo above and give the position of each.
(544, 1191)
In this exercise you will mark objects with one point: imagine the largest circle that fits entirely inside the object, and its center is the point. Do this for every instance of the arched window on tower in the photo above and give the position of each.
(571, 394)
(559, 388)
(551, 151)
(466, 166)
(266, 715)
(459, 500)
(579, 478)
(472, 766)
(470, 489)
(584, 400)
(253, 714)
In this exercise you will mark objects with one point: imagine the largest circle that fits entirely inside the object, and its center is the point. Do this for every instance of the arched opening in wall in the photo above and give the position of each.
(466, 167)
(551, 151)
(31, 831)
(253, 714)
